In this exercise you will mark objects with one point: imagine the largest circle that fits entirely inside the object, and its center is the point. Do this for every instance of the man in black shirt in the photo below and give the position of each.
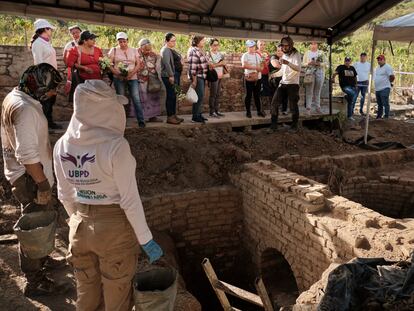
(348, 82)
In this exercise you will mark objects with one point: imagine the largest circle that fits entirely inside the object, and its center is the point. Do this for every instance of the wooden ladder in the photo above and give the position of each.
(221, 288)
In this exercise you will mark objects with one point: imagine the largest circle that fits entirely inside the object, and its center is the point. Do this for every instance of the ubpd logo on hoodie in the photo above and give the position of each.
(78, 162)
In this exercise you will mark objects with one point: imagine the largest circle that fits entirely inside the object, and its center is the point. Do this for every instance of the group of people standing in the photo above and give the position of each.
(354, 79)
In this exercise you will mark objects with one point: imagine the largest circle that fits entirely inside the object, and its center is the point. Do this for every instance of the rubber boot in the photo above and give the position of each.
(273, 125)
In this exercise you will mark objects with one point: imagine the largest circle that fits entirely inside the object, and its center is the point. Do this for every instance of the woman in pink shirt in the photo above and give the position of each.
(125, 57)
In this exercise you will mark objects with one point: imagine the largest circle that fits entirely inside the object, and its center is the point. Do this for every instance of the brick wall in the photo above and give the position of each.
(319, 168)
(15, 59)
(390, 195)
(312, 228)
(203, 223)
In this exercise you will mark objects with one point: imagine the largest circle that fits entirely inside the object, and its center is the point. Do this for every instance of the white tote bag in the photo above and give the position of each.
(191, 95)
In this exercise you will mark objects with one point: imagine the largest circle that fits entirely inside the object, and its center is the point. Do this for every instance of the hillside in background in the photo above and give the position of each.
(18, 30)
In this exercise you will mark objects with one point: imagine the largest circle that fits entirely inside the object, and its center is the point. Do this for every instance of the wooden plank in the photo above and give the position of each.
(261, 289)
(239, 293)
(212, 277)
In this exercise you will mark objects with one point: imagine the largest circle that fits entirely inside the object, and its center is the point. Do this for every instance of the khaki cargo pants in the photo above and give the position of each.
(103, 252)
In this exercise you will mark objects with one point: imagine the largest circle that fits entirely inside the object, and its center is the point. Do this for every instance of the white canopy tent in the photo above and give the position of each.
(328, 20)
(303, 20)
(400, 29)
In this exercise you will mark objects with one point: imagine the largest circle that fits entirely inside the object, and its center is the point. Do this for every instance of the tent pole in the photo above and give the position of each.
(330, 77)
(374, 44)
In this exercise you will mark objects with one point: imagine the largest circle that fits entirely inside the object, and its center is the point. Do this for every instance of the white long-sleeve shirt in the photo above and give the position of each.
(93, 161)
(24, 136)
(43, 52)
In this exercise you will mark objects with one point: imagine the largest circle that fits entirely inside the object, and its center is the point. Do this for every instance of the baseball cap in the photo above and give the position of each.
(74, 27)
(121, 35)
(250, 43)
(42, 23)
(381, 57)
(347, 59)
(143, 42)
(86, 35)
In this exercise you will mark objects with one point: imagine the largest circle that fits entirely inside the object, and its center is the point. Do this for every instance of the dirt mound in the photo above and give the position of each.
(174, 160)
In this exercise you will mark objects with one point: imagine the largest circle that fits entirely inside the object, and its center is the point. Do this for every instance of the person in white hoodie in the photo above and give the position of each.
(27, 157)
(96, 183)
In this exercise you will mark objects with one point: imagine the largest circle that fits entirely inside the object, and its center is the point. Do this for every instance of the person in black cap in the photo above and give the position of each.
(28, 162)
(86, 56)
(348, 83)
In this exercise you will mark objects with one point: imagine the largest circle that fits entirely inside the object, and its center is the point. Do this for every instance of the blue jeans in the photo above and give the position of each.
(171, 100)
(133, 93)
(177, 77)
(383, 101)
(198, 106)
(362, 88)
(351, 93)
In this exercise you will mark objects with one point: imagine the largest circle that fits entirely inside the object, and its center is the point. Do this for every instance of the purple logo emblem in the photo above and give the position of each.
(78, 161)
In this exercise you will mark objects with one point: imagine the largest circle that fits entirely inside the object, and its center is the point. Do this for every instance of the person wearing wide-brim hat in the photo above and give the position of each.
(43, 52)
(86, 56)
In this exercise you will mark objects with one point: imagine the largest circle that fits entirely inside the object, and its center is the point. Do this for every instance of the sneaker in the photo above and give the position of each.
(378, 117)
(198, 120)
(219, 114)
(179, 119)
(202, 117)
(172, 120)
(308, 112)
(54, 126)
(248, 114)
(285, 113)
(351, 119)
(261, 114)
(141, 124)
(318, 110)
(214, 115)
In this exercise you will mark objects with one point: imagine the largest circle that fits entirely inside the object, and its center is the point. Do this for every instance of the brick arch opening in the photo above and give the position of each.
(387, 196)
(278, 278)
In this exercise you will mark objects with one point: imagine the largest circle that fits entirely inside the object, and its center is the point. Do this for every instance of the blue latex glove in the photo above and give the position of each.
(153, 251)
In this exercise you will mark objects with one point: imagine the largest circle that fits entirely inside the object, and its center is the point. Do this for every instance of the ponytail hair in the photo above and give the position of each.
(36, 35)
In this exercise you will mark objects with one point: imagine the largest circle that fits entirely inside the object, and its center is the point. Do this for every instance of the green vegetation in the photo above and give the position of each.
(18, 31)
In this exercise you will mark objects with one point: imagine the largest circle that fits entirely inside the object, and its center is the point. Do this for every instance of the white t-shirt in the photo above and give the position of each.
(43, 52)
(216, 58)
(382, 77)
(26, 141)
(362, 70)
(290, 76)
(252, 60)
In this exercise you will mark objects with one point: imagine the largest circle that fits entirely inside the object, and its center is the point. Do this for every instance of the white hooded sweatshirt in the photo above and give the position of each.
(93, 161)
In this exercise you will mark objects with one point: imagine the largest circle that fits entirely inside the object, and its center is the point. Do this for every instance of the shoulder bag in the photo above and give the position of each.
(76, 78)
(252, 76)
